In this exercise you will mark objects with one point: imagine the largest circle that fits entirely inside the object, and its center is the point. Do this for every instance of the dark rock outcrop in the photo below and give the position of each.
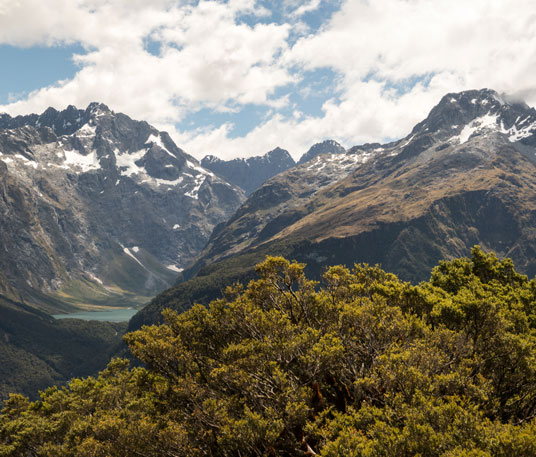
(249, 174)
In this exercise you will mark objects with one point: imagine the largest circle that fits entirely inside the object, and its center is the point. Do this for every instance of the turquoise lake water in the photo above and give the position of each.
(116, 315)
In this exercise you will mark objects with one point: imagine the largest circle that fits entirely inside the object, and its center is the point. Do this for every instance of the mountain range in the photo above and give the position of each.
(465, 175)
(99, 210)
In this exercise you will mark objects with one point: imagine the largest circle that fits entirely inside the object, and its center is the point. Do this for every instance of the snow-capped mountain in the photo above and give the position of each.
(97, 206)
(263, 214)
(460, 116)
(326, 147)
(249, 174)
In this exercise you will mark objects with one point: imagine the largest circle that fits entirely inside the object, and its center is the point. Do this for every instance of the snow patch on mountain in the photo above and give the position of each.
(167, 182)
(199, 169)
(488, 121)
(516, 134)
(127, 252)
(26, 161)
(83, 163)
(126, 162)
(86, 131)
(158, 142)
(194, 192)
(492, 122)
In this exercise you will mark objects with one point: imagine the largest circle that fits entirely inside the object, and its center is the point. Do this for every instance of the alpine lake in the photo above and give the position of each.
(115, 315)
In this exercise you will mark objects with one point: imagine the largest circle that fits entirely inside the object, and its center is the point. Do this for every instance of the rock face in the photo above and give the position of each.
(326, 147)
(465, 175)
(97, 208)
(249, 174)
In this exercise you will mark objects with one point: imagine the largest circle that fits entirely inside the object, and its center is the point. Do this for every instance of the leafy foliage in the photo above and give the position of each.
(359, 365)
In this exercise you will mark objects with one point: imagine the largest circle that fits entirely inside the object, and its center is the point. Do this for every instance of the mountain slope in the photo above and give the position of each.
(98, 209)
(275, 204)
(249, 174)
(489, 148)
(37, 351)
(465, 175)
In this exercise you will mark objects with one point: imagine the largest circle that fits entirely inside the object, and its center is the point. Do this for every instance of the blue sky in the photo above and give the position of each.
(237, 78)
(27, 69)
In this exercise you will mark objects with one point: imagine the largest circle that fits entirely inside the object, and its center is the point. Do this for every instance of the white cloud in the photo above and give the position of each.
(207, 58)
(381, 50)
(95, 23)
(398, 39)
(377, 45)
(210, 58)
(370, 116)
(307, 7)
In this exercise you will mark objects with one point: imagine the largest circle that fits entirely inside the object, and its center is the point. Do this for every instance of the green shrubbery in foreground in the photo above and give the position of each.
(360, 365)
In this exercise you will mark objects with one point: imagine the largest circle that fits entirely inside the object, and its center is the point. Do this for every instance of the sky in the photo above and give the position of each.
(238, 78)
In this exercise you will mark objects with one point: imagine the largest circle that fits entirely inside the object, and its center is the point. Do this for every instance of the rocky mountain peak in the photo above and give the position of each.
(249, 174)
(470, 117)
(210, 159)
(325, 147)
(64, 122)
(278, 154)
(459, 116)
(96, 108)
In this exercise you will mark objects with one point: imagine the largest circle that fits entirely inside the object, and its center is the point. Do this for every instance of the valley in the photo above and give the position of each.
(38, 351)
(251, 228)
(106, 220)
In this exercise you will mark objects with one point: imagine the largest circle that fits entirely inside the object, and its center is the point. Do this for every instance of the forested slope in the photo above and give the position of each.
(361, 364)
(37, 351)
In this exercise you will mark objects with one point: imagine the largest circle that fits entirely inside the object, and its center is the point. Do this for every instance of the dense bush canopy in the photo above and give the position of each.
(361, 364)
